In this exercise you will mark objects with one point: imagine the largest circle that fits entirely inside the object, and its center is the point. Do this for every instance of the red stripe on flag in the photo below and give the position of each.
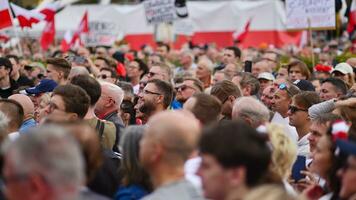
(5, 19)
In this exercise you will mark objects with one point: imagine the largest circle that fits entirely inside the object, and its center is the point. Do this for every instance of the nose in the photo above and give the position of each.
(289, 113)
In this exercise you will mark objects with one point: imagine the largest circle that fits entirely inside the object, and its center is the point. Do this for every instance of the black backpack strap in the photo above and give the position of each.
(100, 125)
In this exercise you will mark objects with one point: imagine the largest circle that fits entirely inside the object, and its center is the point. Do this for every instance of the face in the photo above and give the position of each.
(105, 102)
(4, 72)
(295, 74)
(56, 110)
(40, 111)
(267, 96)
(218, 76)
(53, 73)
(106, 76)
(328, 91)
(264, 83)
(228, 56)
(280, 101)
(202, 70)
(341, 76)
(186, 90)
(317, 130)
(155, 73)
(282, 73)
(230, 70)
(322, 157)
(260, 67)
(133, 70)
(299, 117)
(15, 67)
(149, 98)
(162, 51)
(99, 63)
(348, 179)
(213, 178)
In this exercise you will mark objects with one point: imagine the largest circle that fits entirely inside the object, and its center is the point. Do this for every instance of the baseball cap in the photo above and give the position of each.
(345, 146)
(266, 75)
(45, 85)
(304, 85)
(343, 68)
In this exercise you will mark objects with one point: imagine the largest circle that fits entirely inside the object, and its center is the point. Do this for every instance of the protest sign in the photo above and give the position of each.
(315, 14)
(102, 33)
(158, 11)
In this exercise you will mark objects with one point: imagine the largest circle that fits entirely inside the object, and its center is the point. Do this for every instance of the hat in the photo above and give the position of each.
(347, 147)
(45, 85)
(266, 75)
(344, 68)
(304, 85)
(323, 68)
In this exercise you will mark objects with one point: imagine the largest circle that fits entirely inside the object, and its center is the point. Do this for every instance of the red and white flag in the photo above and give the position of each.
(4, 38)
(241, 35)
(66, 42)
(48, 35)
(83, 28)
(50, 9)
(5, 17)
(27, 17)
(352, 18)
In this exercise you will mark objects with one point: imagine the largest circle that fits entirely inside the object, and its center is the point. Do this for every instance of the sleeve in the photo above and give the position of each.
(321, 108)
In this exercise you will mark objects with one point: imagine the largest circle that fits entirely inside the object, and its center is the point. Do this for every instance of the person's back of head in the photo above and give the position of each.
(249, 84)
(222, 90)
(250, 110)
(78, 70)
(14, 112)
(26, 103)
(6, 63)
(206, 108)
(233, 146)
(75, 99)
(54, 165)
(306, 99)
(90, 85)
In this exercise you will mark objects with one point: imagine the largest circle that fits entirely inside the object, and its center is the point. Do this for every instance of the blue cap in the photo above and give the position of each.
(45, 85)
(347, 147)
(304, 85)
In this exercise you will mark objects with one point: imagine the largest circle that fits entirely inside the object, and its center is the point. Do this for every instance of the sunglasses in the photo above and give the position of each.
(284, 86)
(184, 87)
(104, 76)
(294, 109)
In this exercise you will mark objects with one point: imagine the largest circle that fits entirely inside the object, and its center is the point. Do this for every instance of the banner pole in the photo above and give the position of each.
(311, 42)
(15, 31)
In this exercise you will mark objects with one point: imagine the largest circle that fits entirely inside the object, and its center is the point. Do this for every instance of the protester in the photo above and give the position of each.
(28, 109)
(188, 88)
(58, 70)
(332, 88)
(7, 84)
(15, 114)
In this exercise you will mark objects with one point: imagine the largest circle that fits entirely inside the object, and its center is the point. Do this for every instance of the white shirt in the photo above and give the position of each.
(303, 146)
(14, 135)
(191, 167)
(136, 88)
(290, 130)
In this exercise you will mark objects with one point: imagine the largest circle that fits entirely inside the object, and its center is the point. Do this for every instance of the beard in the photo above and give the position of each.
(147, 108)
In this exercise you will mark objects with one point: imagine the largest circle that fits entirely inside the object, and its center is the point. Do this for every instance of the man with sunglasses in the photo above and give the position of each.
(107, 75)
(188, 88)
(299, 118)
(279, 104)
(155, 97)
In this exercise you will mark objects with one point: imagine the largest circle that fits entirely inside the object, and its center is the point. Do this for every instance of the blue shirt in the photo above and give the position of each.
(132, 192)
(27, 125)
(176, 105)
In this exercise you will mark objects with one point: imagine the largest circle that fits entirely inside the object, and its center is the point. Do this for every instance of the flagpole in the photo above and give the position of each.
(311, 42)
(15, 31)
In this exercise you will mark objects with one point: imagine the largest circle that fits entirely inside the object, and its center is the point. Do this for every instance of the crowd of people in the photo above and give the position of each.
(199, 122)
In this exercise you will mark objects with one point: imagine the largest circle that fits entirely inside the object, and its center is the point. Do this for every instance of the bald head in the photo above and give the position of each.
(26, 103)
(177, 132)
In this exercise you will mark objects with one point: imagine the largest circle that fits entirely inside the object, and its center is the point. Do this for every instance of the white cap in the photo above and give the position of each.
(343, 68)
(266, 75)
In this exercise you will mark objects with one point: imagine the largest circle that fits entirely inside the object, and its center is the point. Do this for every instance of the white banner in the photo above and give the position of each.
(158, 11)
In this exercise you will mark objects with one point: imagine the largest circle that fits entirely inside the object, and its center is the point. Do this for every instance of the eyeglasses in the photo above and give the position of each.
(294, 109)
(151, 74)
(150, 92)
(184, 87)
(284, 86)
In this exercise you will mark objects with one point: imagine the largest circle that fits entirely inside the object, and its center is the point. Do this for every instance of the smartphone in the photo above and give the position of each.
(299, 165)
(248, 66)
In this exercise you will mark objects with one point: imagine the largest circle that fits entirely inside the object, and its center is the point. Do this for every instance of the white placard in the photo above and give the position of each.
(158, 11)
(102, 33)
(321, 14)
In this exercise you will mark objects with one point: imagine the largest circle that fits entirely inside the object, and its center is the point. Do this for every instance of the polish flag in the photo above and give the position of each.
(352, 18)
(66, 42)
(27, 17)
(239, 36)
(83, 28)
(48, 35)
(4, 38)
(5, 17)
(50, 9)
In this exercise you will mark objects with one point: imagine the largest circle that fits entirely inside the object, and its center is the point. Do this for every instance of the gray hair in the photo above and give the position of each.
(252, 109)
(78, 70)
(114, 91)
(51, 152)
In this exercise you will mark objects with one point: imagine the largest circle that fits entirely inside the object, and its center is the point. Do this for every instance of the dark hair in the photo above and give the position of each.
(236, 51)
(162, 44)
(196, 82)
(60, 64)
(338, 84)
(107, 62)
(13, 111)
(112, 71)
(143, 67)
(76, 100)
(165, 89)
(129, 107)
(248, 79)
(206, 108)
(234, 144)
(6, 63)
(302, 66)
(16, 58)
(306, 99)
(90, 85)
(326, 117)
(223, 89)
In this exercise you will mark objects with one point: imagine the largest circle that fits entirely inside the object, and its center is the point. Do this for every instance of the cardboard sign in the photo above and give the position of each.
(318, 14)
(102, 33)
(158, 11)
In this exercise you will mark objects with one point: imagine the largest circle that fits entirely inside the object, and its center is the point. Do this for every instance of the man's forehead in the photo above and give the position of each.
(155, 69)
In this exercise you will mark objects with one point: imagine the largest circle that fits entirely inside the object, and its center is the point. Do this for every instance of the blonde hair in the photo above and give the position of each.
(269, 192)
(284, 151)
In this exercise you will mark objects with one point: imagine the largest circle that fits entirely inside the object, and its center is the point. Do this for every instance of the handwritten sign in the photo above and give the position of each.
(320, 13)
(102, 33)
(158, 11)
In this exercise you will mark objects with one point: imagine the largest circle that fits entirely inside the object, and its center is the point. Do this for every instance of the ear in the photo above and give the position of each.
(158, 152)
(39, 186)
(160, 98)
(232, 98)
(73, 116)
(247, 120)
(237, 176)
